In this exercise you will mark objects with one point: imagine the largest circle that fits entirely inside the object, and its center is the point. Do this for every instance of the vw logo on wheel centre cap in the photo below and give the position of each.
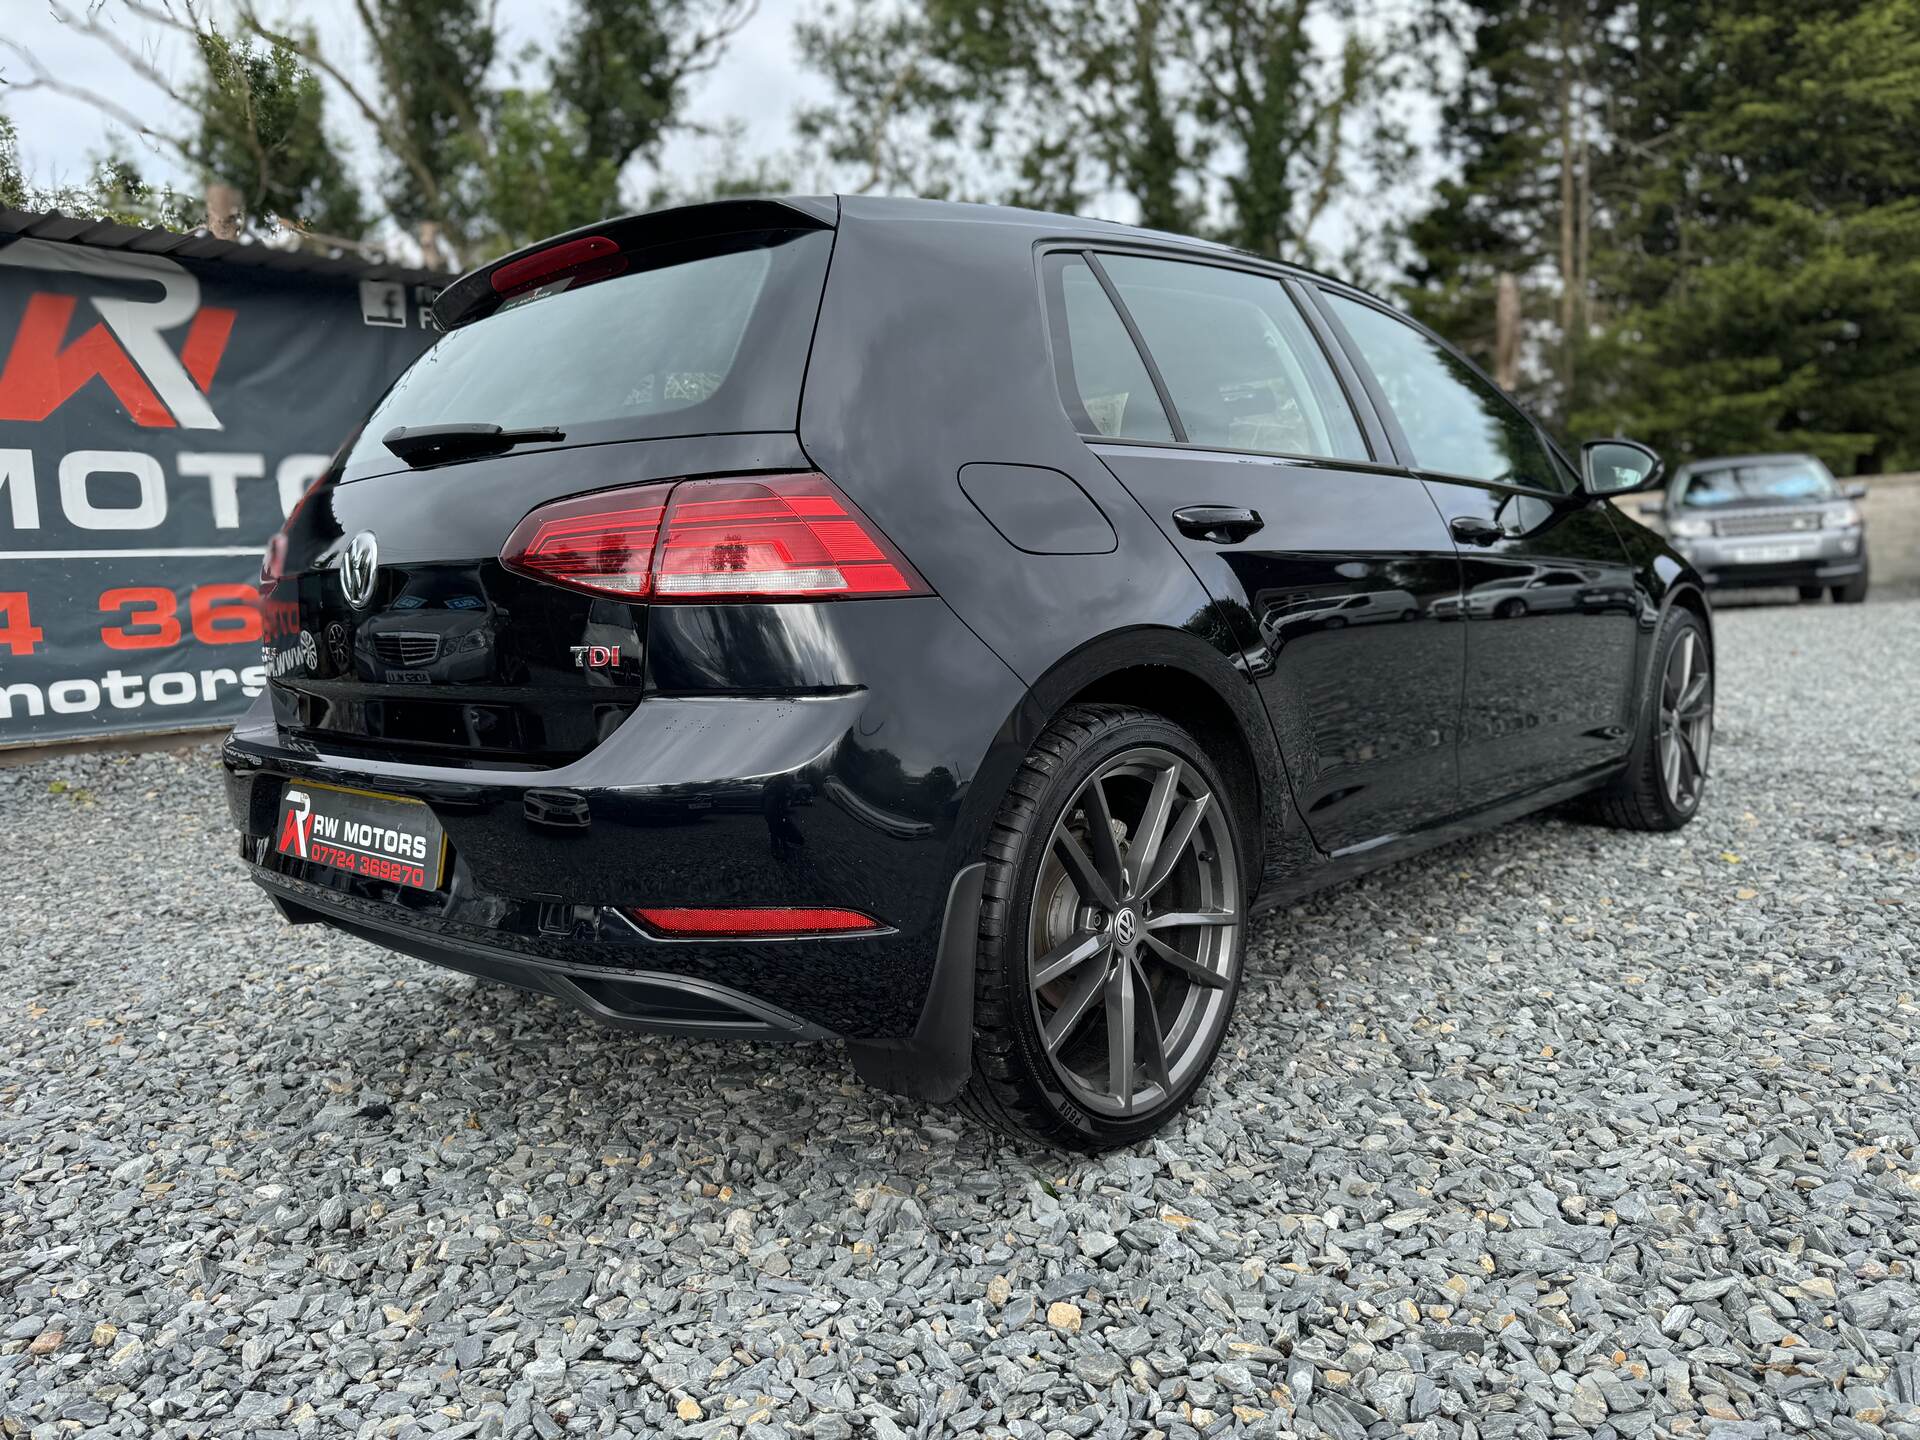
(358, 562)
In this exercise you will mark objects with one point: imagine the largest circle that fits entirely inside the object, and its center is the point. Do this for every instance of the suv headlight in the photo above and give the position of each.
(1684, 529)
(1841, 517)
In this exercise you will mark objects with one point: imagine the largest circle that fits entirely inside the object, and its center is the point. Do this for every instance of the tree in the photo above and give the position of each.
(1767, 261)
(475, 166)
(263, 131)
(13, 185)
(1524, 124)
(468, 160)
(1224, 117)
(255, 121)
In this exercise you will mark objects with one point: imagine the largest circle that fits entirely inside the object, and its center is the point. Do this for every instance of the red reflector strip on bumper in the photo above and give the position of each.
(757, 922)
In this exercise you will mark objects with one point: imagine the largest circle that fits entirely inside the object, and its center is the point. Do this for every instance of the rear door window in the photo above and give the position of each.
(1455, 422)
(1242, 368)
(685, 340)
(1103, 380)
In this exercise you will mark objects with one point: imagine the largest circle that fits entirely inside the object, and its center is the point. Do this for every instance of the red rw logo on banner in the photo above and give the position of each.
(53, 356)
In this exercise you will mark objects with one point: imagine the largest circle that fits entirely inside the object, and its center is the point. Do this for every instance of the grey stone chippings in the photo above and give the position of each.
(1555, 1132)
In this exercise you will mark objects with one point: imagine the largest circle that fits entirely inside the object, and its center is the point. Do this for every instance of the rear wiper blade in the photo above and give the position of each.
(421, 445)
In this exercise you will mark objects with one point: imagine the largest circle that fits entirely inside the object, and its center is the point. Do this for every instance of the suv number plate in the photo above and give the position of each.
(383, 837)
(1767, 554)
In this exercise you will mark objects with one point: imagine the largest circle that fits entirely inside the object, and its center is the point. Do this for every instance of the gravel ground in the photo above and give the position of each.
(1556, 1132)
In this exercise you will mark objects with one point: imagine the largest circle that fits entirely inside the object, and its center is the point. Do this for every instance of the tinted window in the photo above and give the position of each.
(1239, 362)
(1761, 480)
(1102, 378)
(684, 341)
(1455, 421)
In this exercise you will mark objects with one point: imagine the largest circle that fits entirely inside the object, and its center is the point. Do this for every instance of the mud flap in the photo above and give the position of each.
(935, 1061)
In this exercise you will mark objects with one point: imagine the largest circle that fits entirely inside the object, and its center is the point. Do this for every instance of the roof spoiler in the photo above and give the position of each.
(473, 294)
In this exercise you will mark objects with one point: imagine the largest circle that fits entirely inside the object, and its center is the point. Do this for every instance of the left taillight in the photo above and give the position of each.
(761, 537)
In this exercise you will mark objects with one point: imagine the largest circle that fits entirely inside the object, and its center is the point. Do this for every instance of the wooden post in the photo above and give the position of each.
(226, 211)
(1506, 332)
(432, 252)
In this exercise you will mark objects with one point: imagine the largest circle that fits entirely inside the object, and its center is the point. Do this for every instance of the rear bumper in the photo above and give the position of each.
(851, 798)
(652, 1000)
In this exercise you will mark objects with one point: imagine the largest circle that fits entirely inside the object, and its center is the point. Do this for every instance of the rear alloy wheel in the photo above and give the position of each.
(1666, 771)
(1111, 933)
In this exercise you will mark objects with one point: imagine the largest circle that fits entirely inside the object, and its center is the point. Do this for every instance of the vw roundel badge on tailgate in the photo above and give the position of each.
(383, 837)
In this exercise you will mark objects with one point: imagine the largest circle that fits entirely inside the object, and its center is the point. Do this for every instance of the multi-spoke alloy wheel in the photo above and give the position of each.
(1110, 933)
(1132, 929)
(1660, 785)
(1686, 720)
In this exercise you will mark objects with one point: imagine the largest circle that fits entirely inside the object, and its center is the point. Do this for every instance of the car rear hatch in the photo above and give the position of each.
(634, 354)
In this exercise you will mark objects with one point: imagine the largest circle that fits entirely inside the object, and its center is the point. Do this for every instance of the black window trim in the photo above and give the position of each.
(1053, 302)
(1092, 262)
(1321, 288)
(1090, 251)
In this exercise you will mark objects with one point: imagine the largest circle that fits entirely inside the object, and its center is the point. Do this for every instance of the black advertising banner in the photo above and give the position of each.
(158, 418)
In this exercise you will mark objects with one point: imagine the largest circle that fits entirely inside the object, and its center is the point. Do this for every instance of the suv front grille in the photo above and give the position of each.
(406, 647)
(1767, 522)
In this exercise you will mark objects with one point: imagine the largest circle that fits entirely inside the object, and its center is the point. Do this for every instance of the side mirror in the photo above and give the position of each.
(1620, 467)
(1854, 490)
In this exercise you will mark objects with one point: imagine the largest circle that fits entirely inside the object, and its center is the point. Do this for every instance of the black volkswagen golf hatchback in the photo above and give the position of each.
(938, 627)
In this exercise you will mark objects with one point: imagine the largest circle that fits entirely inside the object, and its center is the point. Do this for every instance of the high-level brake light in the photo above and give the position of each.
(590, 257)
(758, 922)
(766, 537)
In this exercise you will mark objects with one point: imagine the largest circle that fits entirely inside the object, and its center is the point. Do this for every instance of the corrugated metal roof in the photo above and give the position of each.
(198, 245)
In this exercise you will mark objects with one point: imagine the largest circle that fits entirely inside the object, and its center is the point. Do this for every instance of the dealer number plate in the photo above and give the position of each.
(1767, 554)
(383, 837)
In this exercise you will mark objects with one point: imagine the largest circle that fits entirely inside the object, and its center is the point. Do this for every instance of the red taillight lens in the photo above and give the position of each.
(788, 535)
(757, 922)
(603, 543)
(595, 256)
(774, 537)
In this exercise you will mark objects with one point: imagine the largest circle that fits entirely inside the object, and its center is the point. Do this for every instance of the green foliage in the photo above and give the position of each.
(1225, 117)
(1768, 262)
(1739, 267)
(617, 73)
(13, 185)
(262, 130)
(432, 57)
(530, 177)
(113, 191)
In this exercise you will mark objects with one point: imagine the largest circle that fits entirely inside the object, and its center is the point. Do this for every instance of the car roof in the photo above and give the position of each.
(459, 301)
(882, 208)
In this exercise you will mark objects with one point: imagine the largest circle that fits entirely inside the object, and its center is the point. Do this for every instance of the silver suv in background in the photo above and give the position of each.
(1752, 521)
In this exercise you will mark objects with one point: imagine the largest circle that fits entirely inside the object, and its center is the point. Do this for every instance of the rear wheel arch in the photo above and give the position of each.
(1168, 672)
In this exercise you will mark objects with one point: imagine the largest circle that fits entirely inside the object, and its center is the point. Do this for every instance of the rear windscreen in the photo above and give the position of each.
(690, 339)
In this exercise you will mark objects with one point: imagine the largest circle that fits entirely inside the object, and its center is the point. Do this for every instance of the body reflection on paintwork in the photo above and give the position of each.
(1551, 639)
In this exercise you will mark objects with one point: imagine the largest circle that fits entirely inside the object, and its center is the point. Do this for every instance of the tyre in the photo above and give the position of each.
(1111, 932)
(1811, 592)
(1666, 771)
(1851, 593)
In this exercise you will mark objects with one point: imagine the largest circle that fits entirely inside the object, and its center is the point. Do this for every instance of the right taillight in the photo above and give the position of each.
(764, 537)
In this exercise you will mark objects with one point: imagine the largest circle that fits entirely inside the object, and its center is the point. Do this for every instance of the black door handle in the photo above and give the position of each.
(1472, 530)
(1222, 524)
